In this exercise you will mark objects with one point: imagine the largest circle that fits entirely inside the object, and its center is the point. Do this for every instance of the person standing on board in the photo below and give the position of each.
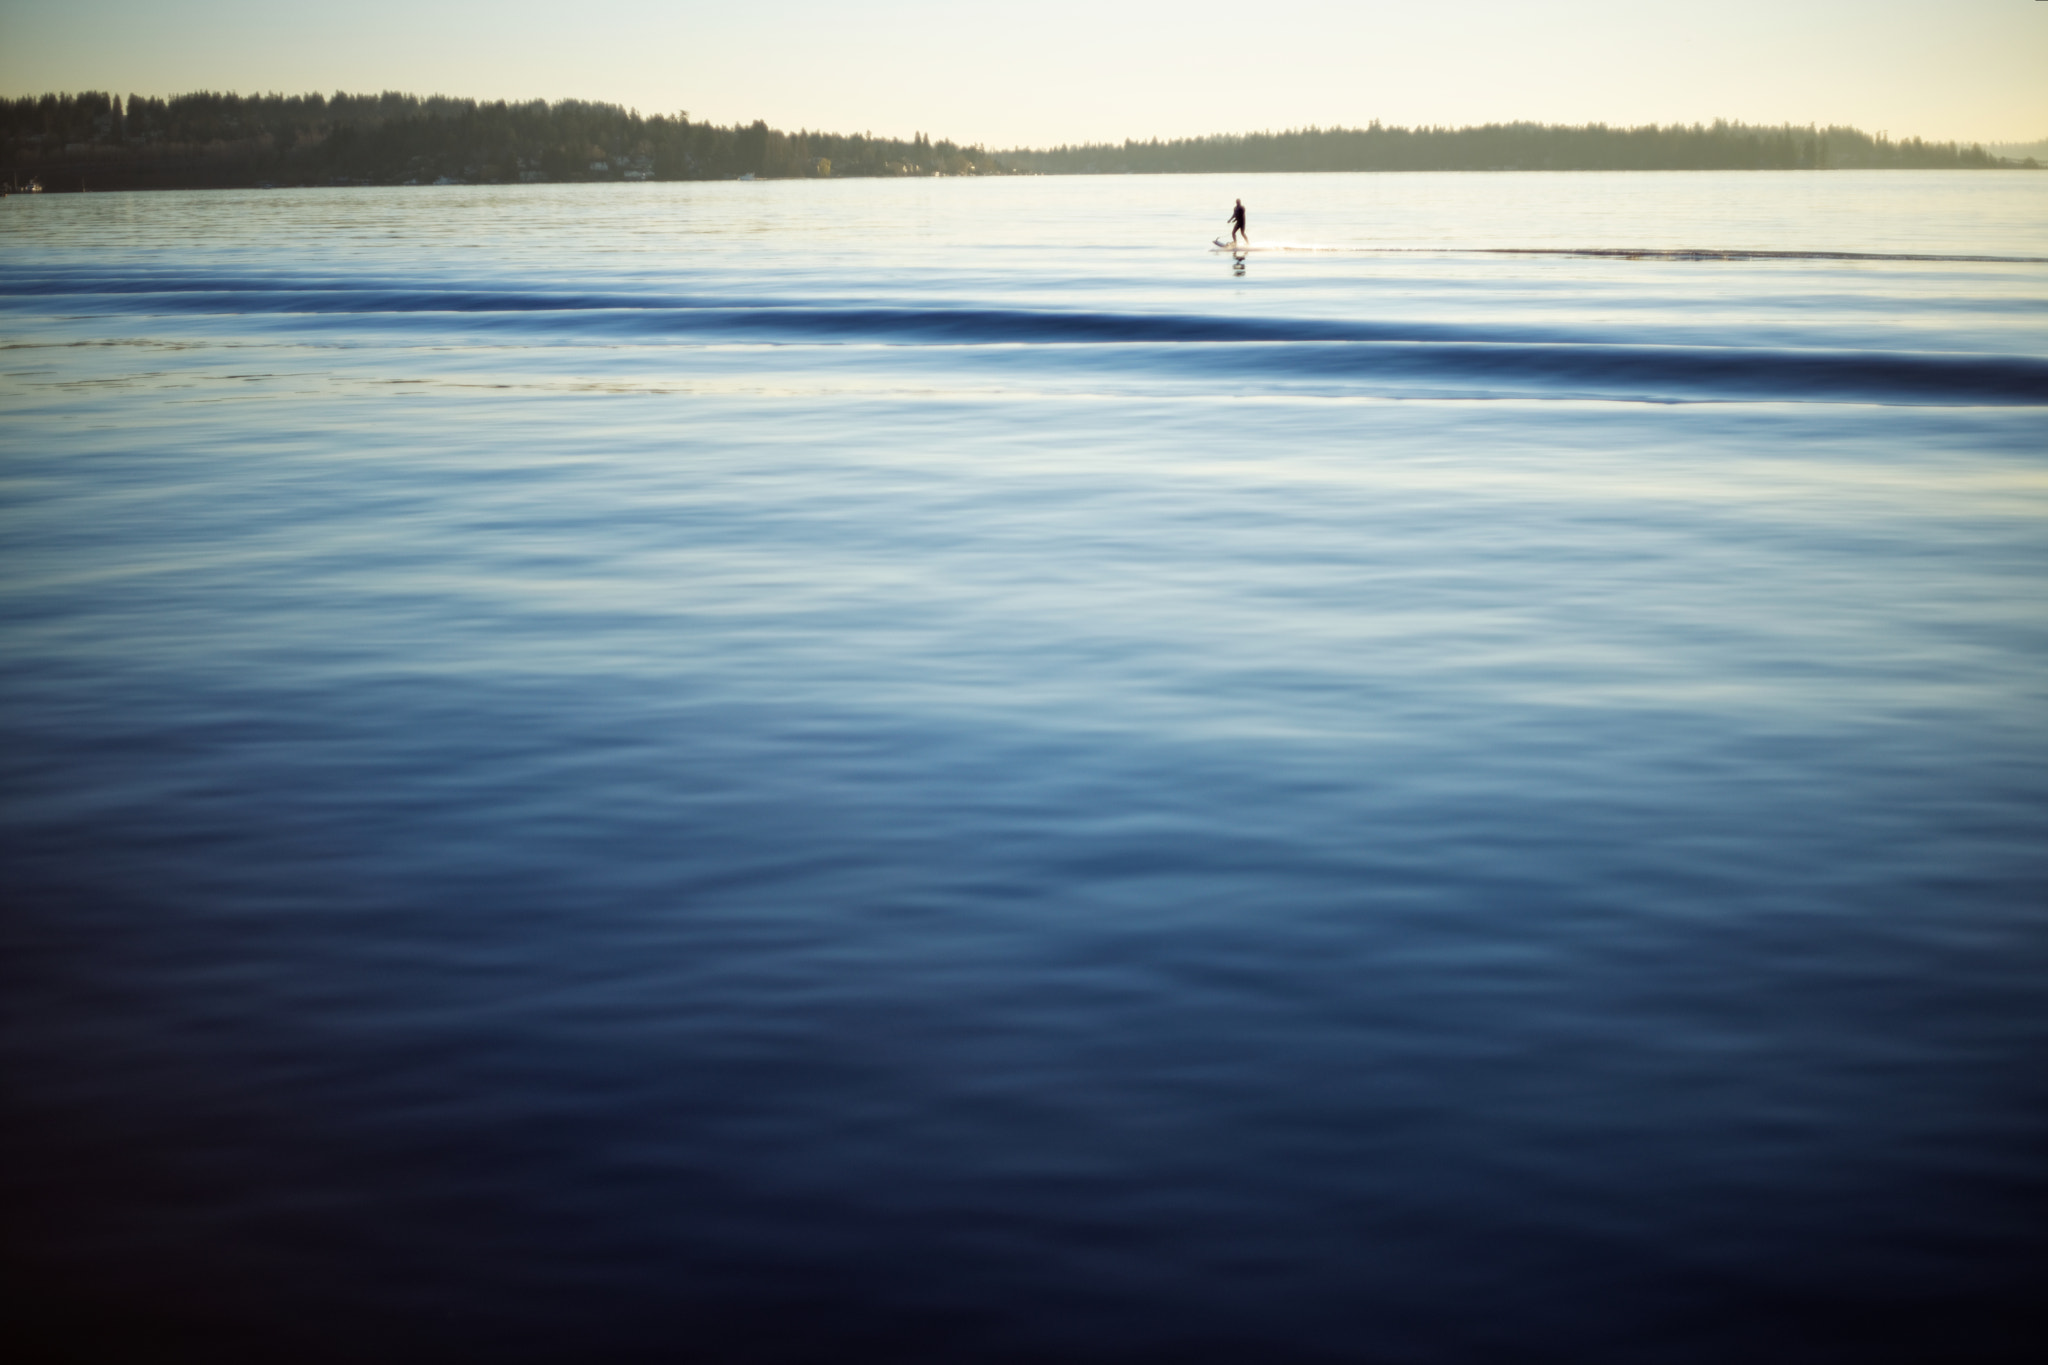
(1237, 227)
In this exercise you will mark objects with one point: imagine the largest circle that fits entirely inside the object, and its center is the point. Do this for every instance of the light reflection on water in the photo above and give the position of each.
(569, 800)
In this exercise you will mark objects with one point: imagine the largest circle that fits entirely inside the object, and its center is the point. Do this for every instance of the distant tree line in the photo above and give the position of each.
(1517, 147)
(96, 140)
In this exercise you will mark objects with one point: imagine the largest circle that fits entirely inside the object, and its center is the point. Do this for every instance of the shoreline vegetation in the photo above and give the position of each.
(98, 141)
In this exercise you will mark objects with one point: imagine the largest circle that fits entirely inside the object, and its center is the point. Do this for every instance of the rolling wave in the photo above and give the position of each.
(1384, 356)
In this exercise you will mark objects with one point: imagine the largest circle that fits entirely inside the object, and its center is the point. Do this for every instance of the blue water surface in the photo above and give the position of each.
(938, 771)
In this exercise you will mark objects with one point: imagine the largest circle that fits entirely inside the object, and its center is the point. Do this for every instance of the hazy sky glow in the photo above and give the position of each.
(1062, 70)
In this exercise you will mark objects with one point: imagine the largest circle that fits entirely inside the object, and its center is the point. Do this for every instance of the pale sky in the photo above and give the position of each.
(1087, 70)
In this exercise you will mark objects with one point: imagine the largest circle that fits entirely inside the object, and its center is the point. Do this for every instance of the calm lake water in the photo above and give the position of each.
(938, 771)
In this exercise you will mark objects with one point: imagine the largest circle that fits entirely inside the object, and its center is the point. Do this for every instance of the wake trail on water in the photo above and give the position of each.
(1623, 253)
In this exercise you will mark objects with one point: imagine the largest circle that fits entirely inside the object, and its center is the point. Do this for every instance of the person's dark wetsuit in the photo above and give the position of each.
(1237, 224)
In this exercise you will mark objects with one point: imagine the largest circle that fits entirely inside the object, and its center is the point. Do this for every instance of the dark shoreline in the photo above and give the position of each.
(66, 181)
(99, 141)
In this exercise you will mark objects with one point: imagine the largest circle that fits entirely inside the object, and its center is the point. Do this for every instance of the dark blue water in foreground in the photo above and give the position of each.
(931, 771)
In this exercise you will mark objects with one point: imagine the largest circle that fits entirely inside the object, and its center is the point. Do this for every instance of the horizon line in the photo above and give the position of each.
(683, 115)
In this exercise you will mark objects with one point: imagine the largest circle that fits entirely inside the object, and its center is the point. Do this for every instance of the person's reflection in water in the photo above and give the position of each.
(1237, 264)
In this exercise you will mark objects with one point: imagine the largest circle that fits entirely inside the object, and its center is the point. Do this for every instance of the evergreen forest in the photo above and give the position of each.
(101, 141)
(1520, 147)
